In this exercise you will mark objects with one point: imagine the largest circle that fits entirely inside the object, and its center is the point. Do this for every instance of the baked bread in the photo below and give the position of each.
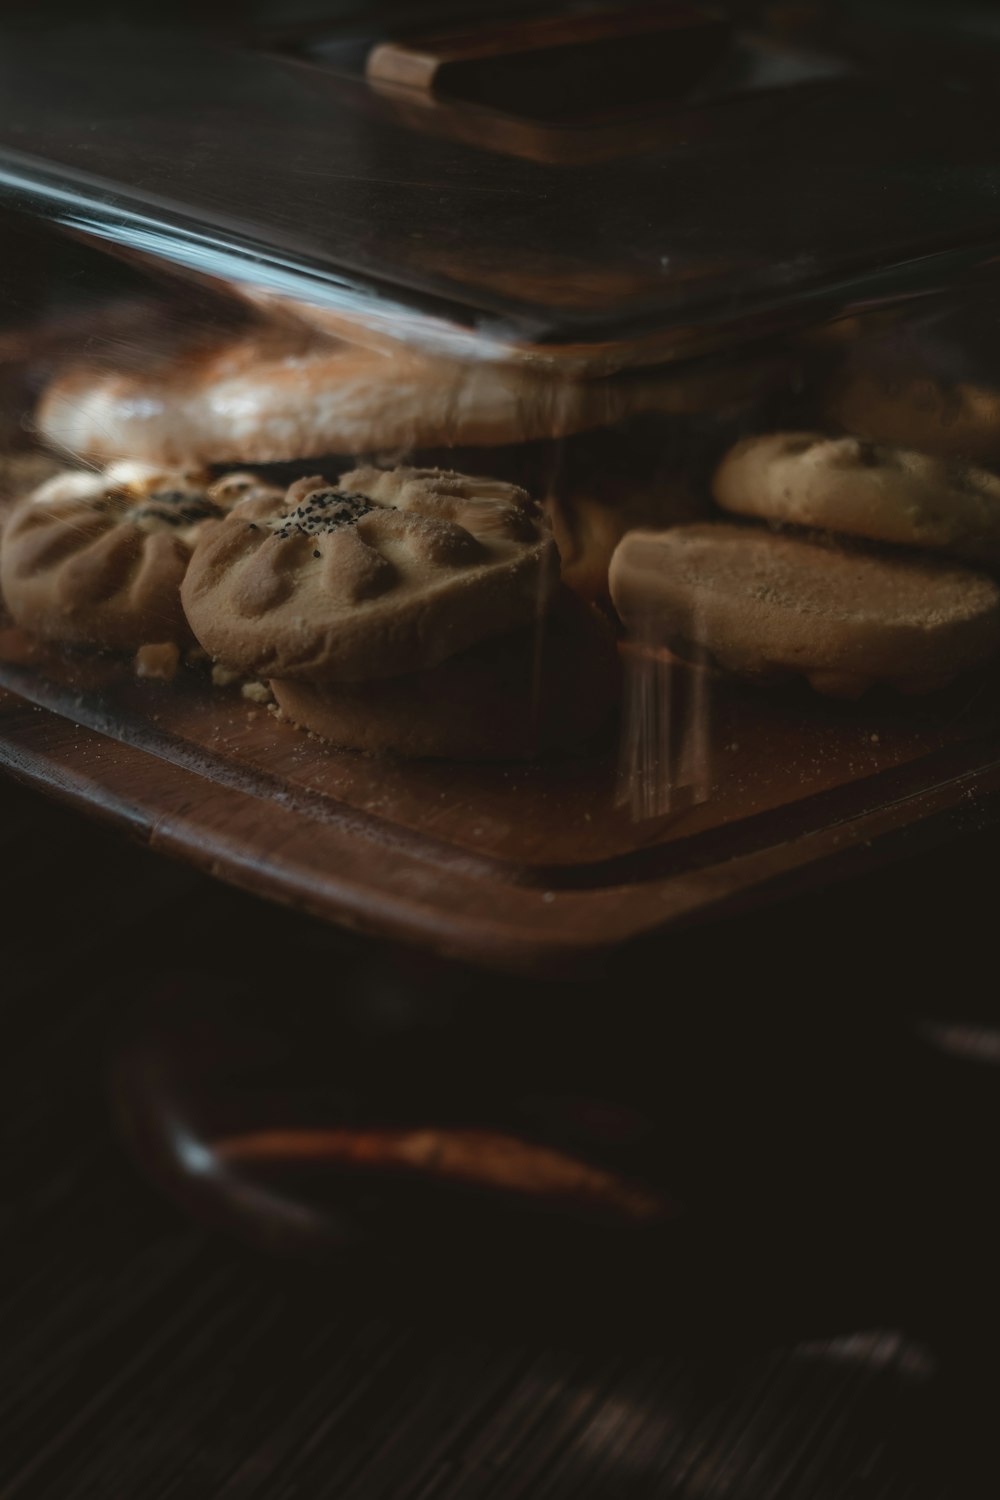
(546, 687)
(864, 489)
(770, 606)
(97, 559)
(391, 571)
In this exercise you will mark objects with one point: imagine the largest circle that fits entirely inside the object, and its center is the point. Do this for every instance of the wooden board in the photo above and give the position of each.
(542, 866)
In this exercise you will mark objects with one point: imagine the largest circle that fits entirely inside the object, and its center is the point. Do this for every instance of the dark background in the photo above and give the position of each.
(822, 1322)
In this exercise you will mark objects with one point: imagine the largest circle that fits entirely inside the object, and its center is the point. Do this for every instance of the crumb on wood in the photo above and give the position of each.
(257, 692)
(158, 660)
(223, 676)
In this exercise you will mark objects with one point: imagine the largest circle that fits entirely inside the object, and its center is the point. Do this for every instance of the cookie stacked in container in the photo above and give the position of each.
(97, 559)
(861, 564)
(411, 610)
(397, 608)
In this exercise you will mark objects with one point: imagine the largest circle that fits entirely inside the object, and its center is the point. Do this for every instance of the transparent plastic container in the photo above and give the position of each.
(511, 514)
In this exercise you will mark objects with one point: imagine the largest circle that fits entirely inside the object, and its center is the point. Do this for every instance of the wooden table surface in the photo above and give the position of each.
(143, 1356)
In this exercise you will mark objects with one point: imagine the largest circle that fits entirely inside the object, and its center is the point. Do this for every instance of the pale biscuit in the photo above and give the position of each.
(959, 420)
(546, 687)
(97, 559)
(864, 489)
(388, 572)
(770, 606)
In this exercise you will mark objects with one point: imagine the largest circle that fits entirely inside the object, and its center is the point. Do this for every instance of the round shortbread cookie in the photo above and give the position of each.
(959, 421)
(273, 401)
(287, 393)
(864, 489)
(98, 559)
(547, 687)
(770, 606)
(388, 572)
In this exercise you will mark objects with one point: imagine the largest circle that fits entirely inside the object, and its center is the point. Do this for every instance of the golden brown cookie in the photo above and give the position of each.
(770, 606)
(98, 559)
(864, 489)
(546, 687)
(286, 393)
(275, 399)
(390, 571)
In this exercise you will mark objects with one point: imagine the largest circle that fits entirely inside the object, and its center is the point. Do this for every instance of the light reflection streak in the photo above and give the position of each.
(665, 759)
(258, 267)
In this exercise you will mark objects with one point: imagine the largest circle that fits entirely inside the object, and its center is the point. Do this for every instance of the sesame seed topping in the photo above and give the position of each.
(322, 512)
(176, 508)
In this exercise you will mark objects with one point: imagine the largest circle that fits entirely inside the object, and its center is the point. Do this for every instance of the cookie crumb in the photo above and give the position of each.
(874, 739)
(257, 692)
(224, 676)
(158, 660)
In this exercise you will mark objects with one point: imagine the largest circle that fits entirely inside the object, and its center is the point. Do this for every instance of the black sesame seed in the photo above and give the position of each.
(317, 553)
(323, 512)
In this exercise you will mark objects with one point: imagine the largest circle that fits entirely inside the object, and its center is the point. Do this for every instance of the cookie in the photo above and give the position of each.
(770, 606)
(959, 420)
(864, 489)
(274, 400)
(21, 472)
(547, 687)
(289, 393)
(390, 571)
(588, 526)
(97, 559)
